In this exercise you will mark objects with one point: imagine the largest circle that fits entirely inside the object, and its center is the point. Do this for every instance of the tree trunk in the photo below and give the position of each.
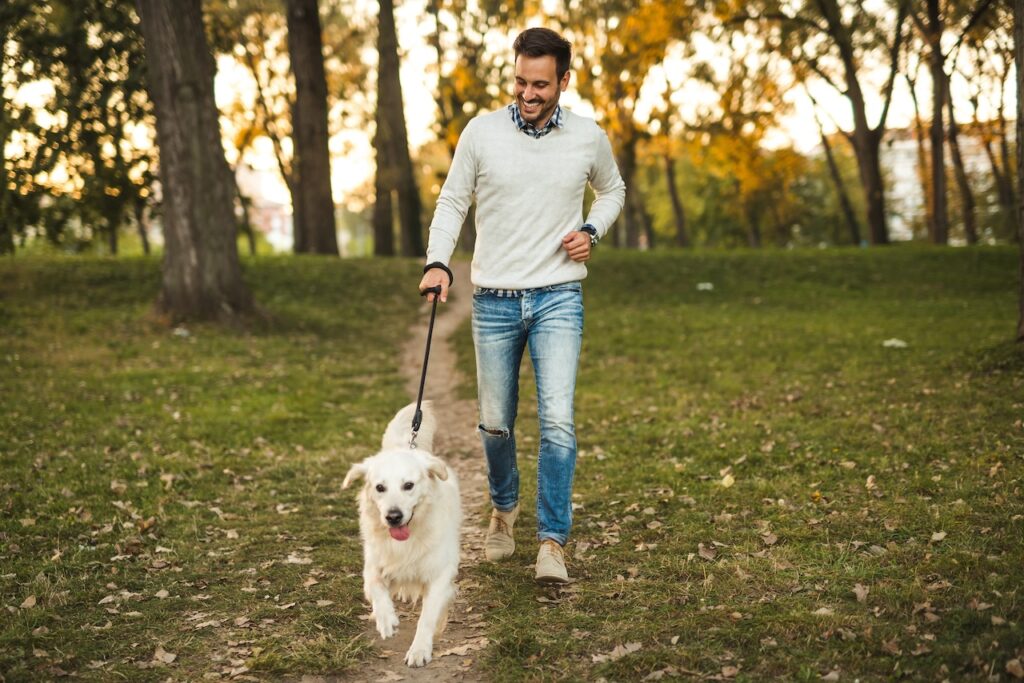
(113, 223)
(383, 218)
(391, 131)
(1018, 58)
(966, 194)
(852, 224)
(467, 238)
(936, 59)
(867, 143)
(627, 167)
(202, 277)
(682, 237)
(922, 160)
(140, 224)
(311, 166)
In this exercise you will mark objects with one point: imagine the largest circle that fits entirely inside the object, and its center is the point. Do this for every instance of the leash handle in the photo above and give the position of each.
(417, 419)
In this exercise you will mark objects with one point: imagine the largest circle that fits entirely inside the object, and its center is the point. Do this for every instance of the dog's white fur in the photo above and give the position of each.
(424, 566)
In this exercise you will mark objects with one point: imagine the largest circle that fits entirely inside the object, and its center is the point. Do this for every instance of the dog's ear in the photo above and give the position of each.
(436, 468)
(358, 470)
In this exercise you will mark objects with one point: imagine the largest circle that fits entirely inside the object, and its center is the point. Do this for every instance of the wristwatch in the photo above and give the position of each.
(592, 231)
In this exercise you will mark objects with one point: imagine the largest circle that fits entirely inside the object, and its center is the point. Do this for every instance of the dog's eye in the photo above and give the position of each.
(381, 488)
(407, 486)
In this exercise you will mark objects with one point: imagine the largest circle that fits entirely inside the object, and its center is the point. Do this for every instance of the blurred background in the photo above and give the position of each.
(762, 123)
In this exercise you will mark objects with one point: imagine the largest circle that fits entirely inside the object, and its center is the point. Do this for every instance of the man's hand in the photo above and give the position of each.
(577, 244)
(432, 278)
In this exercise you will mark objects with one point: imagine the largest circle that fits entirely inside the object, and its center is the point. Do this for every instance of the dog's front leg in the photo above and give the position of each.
(435, 609)
(379, 597)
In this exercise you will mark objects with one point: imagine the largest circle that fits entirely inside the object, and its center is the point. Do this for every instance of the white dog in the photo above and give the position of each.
(409, 519)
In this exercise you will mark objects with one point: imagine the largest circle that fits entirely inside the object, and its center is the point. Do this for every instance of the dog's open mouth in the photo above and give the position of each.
(399, 533)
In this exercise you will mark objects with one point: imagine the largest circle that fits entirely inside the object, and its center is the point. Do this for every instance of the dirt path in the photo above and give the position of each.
(458, 443)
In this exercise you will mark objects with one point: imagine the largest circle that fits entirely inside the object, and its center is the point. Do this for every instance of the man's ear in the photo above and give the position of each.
(358, 470)
(437, 469)
(564, 82)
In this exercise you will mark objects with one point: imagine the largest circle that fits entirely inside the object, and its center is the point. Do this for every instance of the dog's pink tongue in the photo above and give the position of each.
(399, 533)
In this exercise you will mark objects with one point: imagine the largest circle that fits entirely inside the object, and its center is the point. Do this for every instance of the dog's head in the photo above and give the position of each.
(397, 482)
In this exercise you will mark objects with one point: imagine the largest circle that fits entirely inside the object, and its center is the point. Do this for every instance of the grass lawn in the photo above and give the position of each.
(764, 490)
(169, 500)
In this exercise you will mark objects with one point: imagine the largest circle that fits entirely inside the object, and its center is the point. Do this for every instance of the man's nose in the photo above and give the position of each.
(394, 517)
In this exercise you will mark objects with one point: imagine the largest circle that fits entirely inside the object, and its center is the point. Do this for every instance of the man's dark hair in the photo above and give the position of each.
(538, 42)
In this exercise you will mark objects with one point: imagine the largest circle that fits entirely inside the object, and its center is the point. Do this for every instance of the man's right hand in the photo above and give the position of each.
(433, 278)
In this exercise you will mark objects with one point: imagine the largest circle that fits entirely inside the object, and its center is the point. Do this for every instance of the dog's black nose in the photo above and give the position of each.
(394, 517)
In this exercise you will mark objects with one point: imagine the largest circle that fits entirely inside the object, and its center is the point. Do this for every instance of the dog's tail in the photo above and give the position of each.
(399, 431)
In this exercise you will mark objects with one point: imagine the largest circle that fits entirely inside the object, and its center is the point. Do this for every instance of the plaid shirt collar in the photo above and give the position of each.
(556, 121)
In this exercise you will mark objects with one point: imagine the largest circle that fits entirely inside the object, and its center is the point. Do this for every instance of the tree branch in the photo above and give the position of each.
(894, 54)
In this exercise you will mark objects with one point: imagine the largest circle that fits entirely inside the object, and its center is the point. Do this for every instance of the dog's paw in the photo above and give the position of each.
(387, 624)
(418, 655)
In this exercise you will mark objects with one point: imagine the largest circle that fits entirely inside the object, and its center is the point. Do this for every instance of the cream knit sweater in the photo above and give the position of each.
(529, 194)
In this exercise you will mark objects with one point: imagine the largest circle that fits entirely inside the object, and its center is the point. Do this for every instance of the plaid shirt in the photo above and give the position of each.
(554, 122)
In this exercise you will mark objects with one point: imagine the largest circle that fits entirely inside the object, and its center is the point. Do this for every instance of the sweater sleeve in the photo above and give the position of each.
(454, 201)
(609, 190)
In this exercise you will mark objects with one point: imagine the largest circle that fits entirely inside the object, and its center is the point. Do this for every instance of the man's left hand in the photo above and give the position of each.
(577, 244)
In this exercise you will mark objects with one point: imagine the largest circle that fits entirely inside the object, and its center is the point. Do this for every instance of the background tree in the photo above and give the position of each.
(395, 172)
(202, 277)
(835, 42)
(1018, 58)
(313, 209)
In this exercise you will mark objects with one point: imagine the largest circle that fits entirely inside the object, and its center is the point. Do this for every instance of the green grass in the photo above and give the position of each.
(778, 378)
(135, 459)
(198, 461)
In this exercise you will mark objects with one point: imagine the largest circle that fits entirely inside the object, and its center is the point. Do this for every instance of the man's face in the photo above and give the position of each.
(537, 88)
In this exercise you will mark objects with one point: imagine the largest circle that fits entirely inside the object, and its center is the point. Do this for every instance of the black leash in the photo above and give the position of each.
(417, 419)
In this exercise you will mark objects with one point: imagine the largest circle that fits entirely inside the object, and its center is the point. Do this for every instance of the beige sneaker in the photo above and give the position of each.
(499, 543)
(551, 563)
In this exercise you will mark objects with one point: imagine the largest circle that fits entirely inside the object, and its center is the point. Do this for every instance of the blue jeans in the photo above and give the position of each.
(549, 320)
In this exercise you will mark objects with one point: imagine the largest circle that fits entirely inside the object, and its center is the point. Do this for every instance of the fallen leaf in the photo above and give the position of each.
(118, 487)
(861, 592)
(728, 480)
(870, 484)
(162, 594)
(705, 552)
(730, 671)
(162, 655)
(832, 675)
(1015, 668)
(294, 558)
(619, 652)
(769, 538)
(29, 602)
(938, 536)
(824, 611)
(892, 646)
(463, 650)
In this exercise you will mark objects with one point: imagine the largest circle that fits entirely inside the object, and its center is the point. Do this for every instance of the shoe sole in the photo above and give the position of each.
(551, 580)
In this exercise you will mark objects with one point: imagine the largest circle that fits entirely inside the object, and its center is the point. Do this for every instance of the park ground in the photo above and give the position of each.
(799, 465)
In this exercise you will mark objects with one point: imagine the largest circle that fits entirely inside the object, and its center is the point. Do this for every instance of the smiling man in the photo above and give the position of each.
(528, 166)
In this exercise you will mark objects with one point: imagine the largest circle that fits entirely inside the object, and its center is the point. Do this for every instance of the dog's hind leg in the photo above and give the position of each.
(433, 617)
(380, 598)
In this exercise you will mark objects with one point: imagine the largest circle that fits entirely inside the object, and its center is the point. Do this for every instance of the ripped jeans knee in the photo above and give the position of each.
(495, 431)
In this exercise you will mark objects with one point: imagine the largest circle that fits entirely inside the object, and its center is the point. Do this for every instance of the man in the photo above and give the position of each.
(528, 166)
